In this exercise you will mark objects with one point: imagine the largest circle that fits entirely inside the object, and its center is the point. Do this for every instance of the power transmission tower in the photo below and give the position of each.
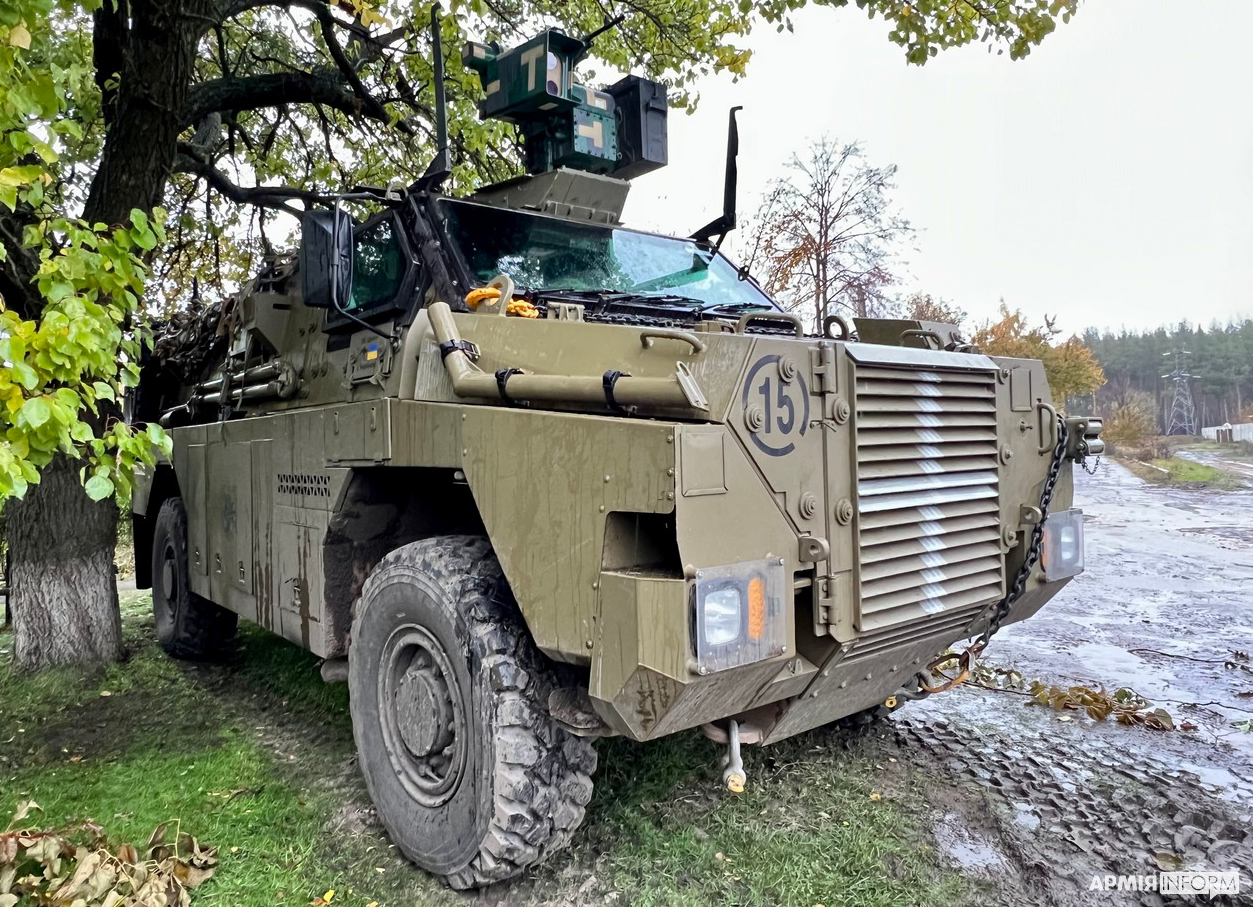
(1182, 410)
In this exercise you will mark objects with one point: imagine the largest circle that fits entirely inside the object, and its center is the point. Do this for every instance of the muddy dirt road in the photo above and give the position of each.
(1166, 601)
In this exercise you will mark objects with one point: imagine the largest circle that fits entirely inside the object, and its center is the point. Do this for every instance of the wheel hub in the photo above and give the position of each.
(421, 713)
(167, 576)
(424, 710)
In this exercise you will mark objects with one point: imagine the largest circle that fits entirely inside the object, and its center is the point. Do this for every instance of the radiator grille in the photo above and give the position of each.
(927, 495)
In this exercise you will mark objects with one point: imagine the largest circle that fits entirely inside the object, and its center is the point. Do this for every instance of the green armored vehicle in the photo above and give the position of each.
(529, 477)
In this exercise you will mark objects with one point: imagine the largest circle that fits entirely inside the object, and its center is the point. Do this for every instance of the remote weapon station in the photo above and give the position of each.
(528, 477)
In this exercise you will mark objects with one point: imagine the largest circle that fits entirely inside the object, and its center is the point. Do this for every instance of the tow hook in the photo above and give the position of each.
(747, 729)
(732, 763)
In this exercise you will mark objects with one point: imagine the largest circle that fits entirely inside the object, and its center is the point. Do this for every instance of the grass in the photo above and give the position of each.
(817, 825)
(1182, 471)
(256, 758)
(249, 758)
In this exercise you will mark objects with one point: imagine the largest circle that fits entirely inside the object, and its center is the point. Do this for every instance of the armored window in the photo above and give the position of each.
(378, 266)
(541, 253)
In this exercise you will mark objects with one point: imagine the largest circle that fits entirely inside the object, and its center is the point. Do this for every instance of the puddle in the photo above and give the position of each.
(968, 848)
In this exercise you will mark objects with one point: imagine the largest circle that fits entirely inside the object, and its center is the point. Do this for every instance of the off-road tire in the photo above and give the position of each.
(525, 781)
(188, 626)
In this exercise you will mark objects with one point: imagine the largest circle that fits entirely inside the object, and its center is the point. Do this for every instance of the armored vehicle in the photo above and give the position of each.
(529, 477)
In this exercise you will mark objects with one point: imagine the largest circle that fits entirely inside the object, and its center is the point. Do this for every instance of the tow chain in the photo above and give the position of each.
(965, 660)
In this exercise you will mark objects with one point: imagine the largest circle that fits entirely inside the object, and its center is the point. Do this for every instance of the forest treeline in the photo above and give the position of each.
(1221, 359)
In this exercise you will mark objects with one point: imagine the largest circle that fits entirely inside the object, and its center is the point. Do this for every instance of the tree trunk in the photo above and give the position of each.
(151, 44)
(62, 584)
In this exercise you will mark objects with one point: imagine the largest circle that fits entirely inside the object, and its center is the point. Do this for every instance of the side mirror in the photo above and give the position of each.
(326, 258)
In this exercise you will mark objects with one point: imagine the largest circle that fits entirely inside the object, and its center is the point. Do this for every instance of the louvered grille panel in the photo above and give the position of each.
(927, 495)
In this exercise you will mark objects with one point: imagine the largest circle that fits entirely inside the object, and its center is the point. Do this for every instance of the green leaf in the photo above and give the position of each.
(35, 412)
(20, 176)
(103, 391)
(98, 488)
(145, 239)
(29, 472)
(25, 375)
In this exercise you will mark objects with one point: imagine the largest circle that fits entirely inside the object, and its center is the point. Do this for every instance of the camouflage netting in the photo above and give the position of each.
(192, 340)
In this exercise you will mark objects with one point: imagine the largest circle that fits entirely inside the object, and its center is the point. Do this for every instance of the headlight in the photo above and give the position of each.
(723, 613)
(1063, 544)
(737, 614)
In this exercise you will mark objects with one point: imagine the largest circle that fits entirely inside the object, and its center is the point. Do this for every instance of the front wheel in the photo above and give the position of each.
(472, 778)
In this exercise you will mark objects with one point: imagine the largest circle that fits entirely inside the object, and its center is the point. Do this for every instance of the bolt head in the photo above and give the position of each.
(755, 418)
(844, 511)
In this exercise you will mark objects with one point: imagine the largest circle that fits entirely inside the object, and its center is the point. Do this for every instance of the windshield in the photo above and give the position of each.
(546, 253)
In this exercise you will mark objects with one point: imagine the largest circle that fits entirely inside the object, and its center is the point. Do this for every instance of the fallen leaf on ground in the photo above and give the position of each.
(24, 809)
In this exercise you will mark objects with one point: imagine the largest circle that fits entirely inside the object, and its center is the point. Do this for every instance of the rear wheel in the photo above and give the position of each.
(188, 626)
(472, 778)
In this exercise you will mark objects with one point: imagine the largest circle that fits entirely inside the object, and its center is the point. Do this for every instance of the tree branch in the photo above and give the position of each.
(371, 104)
(274, 197)
(322, 86)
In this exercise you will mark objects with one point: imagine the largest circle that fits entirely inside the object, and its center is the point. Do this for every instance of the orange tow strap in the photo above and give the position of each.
(518, 307)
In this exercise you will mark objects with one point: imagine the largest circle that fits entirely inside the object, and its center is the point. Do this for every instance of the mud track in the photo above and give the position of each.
(1037, 803)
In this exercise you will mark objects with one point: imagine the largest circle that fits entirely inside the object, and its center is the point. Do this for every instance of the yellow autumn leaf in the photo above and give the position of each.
(19, 36)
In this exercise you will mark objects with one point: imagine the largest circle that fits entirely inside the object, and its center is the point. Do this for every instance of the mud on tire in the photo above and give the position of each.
(471, 777)
(188, 626)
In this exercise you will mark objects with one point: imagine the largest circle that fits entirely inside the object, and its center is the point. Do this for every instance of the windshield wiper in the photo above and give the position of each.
(732, 308)
(606, 297)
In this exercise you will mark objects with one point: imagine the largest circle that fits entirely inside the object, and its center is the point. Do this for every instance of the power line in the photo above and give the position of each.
(1182, 408)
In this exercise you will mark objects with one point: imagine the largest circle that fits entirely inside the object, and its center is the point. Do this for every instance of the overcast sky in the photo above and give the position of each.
(1107, 178)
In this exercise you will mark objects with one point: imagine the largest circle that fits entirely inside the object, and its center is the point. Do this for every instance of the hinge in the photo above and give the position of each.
(823, 602)
(823, 360)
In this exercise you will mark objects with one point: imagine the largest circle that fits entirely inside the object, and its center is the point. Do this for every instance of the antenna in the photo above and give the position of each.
(440, 168)
(587, 39)
(725, 223)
